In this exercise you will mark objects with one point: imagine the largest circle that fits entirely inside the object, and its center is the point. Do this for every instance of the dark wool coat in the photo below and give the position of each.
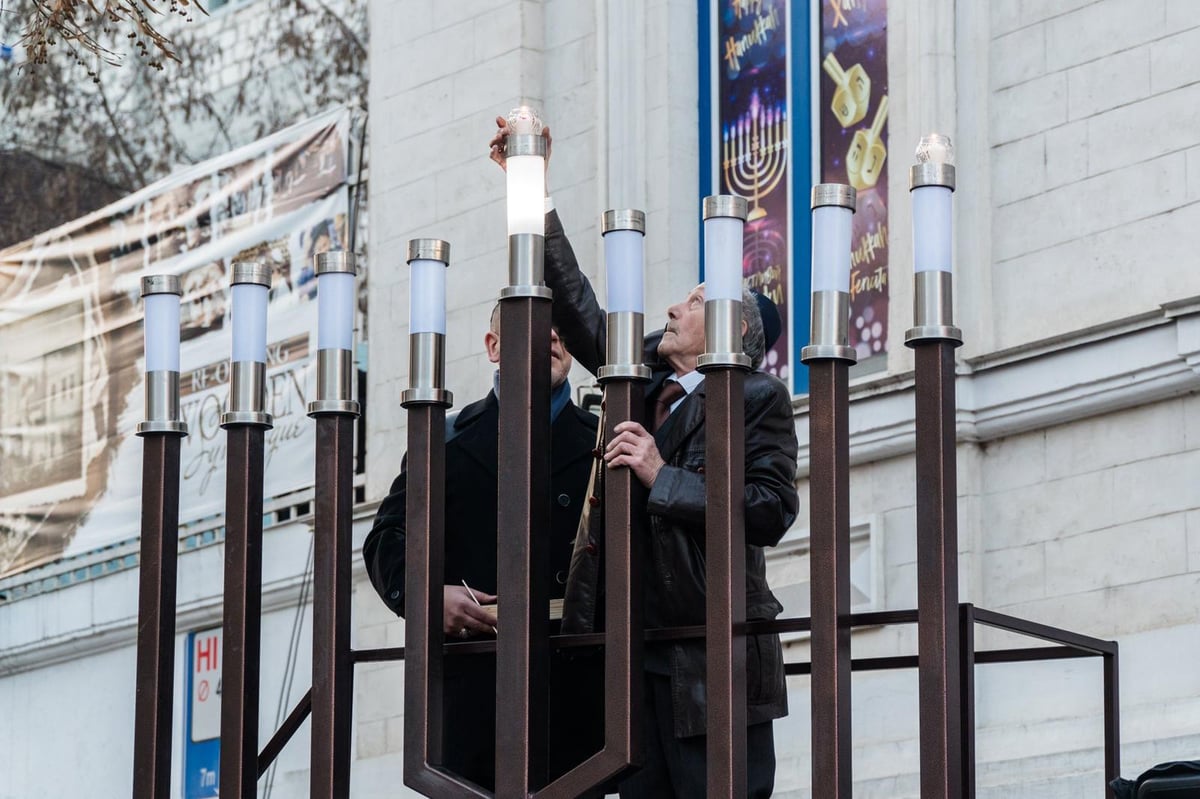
(576, 689)
(675, 574)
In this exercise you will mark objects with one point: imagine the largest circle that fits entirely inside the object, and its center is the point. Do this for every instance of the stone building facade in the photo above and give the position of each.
(1077, 392)
(1078, 383)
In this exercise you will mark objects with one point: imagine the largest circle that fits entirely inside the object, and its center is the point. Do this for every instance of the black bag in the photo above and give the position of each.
(1179, 779)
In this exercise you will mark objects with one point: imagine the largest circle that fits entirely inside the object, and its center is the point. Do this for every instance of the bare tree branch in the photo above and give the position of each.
(75, 23)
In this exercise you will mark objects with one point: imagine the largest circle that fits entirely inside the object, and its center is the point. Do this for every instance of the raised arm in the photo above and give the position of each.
(581, 322)
(577, 314)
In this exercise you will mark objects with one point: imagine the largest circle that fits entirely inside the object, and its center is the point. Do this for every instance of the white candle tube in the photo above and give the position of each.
(427, 299)
(624, 262)
(162, 332)
(723, 258)
(831, 248)
(932, 212)
(249, 322)
(335, 311)
(526, 179)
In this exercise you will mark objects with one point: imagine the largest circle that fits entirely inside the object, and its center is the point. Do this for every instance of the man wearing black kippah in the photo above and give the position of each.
(669, 460)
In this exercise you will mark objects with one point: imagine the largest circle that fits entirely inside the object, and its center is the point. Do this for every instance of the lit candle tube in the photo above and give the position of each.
(525, 165)
(336, 302)
(932, 208)
(624, 259)
(724, 223)
(161, 294)
(428, 260)
(931, 184)
(249, 286)
(832, 223)
(427, 298)
(624, 234)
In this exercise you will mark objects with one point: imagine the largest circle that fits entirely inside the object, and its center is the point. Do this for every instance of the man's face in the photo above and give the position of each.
(560, 360)
(683, 339)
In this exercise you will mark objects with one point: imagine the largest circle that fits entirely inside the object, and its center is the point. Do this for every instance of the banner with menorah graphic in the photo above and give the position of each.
(71, 364)
(752, 149)
(853, 112)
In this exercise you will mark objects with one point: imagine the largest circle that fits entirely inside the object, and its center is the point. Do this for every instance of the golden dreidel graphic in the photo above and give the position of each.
(864, 159)
(853, 94)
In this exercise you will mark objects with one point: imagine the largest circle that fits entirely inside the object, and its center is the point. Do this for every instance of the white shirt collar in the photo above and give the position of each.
(689, 382)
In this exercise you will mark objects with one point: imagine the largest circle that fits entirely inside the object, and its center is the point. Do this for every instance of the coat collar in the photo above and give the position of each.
(681, 424)
(476, 426)
(572, 435)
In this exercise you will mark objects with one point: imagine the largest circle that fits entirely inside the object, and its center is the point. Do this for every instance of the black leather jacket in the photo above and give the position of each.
(675, 588)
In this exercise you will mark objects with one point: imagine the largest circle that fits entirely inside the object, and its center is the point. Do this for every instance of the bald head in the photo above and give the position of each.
(560, 359)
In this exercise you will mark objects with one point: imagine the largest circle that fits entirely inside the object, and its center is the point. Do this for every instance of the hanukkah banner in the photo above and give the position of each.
(853, 112)
(752, 147)
(71, 364)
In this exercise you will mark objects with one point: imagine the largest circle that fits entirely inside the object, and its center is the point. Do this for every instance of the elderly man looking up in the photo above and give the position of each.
(669, 459)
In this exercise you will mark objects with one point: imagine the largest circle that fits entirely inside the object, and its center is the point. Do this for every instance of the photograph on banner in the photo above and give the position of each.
(853, 112)
(72, 368)
(753, 147)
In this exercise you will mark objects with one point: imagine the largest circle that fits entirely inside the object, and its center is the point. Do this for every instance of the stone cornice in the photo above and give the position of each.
(1121, 365)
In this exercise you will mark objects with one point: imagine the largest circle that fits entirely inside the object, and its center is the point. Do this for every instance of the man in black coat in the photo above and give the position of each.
(670, 464)
(469, 700)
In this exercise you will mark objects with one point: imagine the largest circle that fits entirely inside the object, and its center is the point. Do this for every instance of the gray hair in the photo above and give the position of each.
(754, 340)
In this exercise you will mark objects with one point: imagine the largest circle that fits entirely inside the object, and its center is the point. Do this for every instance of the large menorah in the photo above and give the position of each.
(754, 157)
(947, 654)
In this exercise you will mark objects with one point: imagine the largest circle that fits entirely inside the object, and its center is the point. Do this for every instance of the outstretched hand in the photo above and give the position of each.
(496, 145)
(633, 446)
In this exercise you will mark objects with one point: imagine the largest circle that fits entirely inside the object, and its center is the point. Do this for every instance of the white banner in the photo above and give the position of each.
(71, 369)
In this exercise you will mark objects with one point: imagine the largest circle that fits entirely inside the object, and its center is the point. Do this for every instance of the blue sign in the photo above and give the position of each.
(202, 714)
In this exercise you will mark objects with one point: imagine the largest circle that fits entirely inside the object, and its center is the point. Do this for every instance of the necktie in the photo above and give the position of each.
(671, 391)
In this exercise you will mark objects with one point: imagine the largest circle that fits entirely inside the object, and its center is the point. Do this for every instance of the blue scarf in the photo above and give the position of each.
(559, 397)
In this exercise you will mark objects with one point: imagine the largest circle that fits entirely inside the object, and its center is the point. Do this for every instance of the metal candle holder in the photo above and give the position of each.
(427, 351)
(723, 317)
(248, 386)
(829, 357)
(830, 322)
(426, 401)
(332, 666)
(525, 250)
(933, 339)
(933, 307)
(622, 376)
(162, 433)
(245, 423)
(725, 365)
(335, 366)
(626, 329)
(523, 515)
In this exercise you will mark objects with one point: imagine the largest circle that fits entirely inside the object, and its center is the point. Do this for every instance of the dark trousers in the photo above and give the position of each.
(677, 767)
